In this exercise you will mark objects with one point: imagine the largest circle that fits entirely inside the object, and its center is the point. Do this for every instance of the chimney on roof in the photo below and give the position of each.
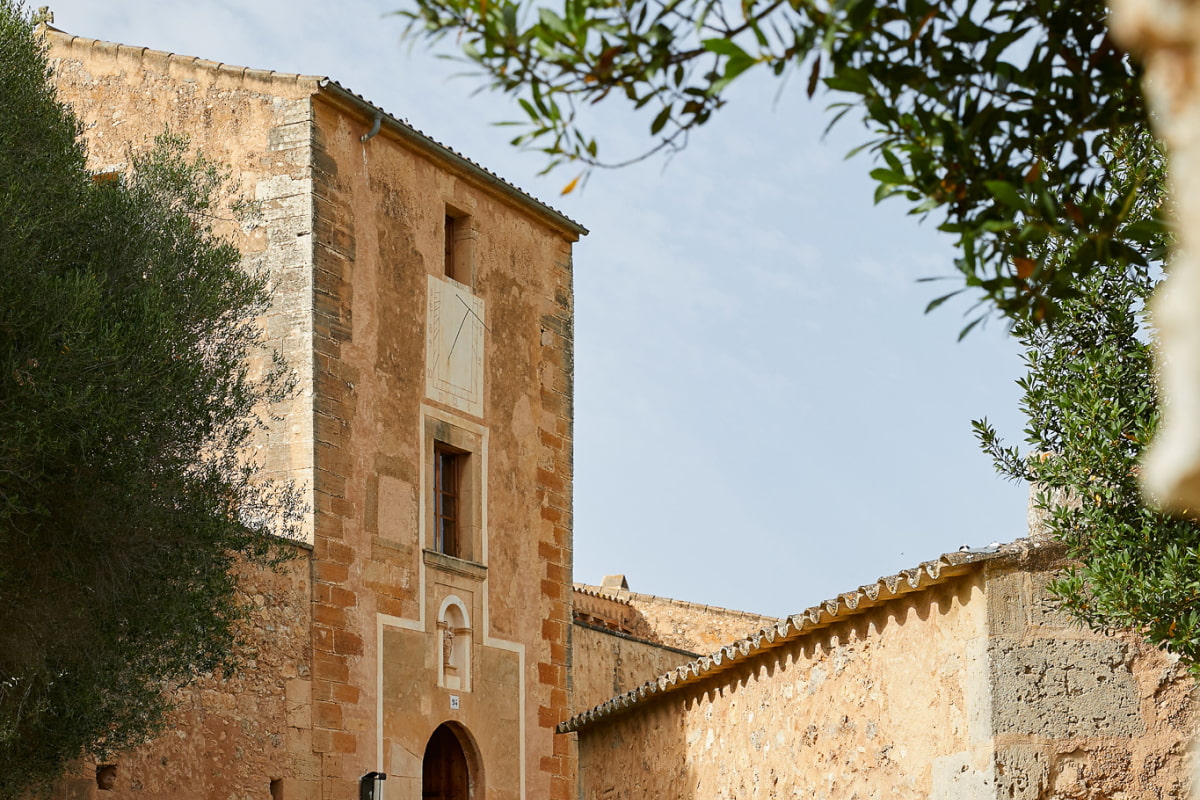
(614, 582)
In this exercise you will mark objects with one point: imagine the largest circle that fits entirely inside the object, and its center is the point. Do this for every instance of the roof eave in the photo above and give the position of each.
(884, 590)
(420, 141)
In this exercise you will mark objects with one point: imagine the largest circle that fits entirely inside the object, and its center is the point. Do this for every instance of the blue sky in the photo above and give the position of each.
(764, 416)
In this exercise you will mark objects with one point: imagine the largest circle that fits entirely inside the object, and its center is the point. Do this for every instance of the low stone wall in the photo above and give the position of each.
(862, 708)
(606, 663)
(970, 687)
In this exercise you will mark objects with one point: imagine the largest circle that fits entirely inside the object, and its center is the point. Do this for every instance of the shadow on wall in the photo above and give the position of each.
(643, 755)
(861, 706)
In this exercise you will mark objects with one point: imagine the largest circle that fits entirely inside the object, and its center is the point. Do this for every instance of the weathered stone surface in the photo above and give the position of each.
(958, 690)
(1022, 772)
(231, 736)
(352, 235)
(607, 663)
(1063, 689)
(863, 707)
(693, 627)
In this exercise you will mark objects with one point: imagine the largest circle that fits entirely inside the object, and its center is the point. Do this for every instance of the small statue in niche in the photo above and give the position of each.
(447, 647)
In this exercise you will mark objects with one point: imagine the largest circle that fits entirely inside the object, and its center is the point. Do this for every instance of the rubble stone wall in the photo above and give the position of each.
(232, 736)
(862, 708)
(974, 688)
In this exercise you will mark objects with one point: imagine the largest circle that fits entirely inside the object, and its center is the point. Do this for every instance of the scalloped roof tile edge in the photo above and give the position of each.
(918, 578)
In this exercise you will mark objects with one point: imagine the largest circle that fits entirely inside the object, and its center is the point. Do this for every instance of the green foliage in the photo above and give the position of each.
(125, 400)
(1090, 397)
(992, 113)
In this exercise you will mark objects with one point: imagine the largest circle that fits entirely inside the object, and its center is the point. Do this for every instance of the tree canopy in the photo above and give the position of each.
(1018, 124)
(126, 405)
(992, 114)
(1090, 396)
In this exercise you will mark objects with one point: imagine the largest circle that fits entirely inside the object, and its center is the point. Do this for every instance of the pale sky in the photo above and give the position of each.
(764, 417)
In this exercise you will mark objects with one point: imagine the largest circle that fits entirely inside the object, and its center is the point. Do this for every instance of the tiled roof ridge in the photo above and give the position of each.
(626, 596)
(453, 155)
(921, 577)
(325, 83)
(596, 591)
(216, 66)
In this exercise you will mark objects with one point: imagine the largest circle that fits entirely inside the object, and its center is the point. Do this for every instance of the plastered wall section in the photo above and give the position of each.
(606, 663)
(688, 626)
(864, 708)
(380, 207)
(228, 738)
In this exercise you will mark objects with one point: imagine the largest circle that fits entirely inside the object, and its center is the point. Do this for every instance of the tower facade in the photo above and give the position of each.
(425, 306)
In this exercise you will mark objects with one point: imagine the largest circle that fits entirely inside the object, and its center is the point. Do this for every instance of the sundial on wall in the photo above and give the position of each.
(454, 346)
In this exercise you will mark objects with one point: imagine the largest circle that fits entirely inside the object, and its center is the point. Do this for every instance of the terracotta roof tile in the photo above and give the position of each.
(317, 83)
(923, 576)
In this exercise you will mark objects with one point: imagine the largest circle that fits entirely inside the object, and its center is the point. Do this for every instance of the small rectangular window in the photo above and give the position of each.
(452, 489)
(459, 258)
(447, 481)
(449, 262)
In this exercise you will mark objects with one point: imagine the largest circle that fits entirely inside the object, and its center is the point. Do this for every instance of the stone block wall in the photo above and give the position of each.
(257, 125)
(380, 588)
(861, 708)
(1076, 714)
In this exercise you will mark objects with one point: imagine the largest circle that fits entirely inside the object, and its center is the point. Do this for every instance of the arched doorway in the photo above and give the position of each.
(445, 774)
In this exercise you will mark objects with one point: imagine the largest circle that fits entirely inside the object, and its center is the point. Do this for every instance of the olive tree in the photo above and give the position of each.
(126, 404)
(991, 115)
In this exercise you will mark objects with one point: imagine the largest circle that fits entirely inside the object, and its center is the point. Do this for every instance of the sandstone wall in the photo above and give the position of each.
(862, 708)
(352, 235)
(606, 663)
(380, 207)
(1076, 714)
(256, 124)
(237, 736)
(693, 627)
(974, 687)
